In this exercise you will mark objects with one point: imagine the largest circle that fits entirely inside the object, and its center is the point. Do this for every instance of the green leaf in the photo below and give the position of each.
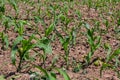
(14, 4)
(54, 60)
(73, 36)
(107, 46)
(2, 9)
(90, 34)
(107, 23)
(15, 49)
(87, 26)
(13, 53)
(118, 22)
(98, 43)
(44, 43)
(53, 74)
(43, 70)
(104, 66)
(20, 26)
(49, 29)
(65, 75)
(88, 57)
(20, 23)
(116, 53)
(50, 76)
(61, 39)
(18, 40)
(2, 77)
(62, 17)
(78, 14)
(37, 19)
(7, 22)
(66, 43)
(2, 2)
(27, 45)
(6, 41)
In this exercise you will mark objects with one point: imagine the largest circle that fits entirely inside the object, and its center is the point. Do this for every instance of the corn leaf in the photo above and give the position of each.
(14, 4)
(46, 73)
(15, 49)
(116, 53)
(44, 43)
(2, 77)
(65, 75)
(49, 29)
(6, 41)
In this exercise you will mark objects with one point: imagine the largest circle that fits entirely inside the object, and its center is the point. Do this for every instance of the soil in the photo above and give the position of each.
(77, 52)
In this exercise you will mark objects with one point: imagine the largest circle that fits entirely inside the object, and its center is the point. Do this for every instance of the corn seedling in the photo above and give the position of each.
(44, 44)
(22, 48)
(2, 8)
(97, 27)
(7, 22)
(65, 21)
(107, 25)
(19, 26)
(117, 29)
(94, 42)
(67, 42)
(79, 14)
(5, 42)
(15, 6)
(110, 56)
(76, 66)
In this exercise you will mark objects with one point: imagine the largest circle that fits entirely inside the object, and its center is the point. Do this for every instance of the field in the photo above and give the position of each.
(59, 39)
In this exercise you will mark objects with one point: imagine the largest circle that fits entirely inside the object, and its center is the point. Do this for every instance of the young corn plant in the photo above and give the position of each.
(64, 9)
(97, 26)
(45, 42)
(52, 26)
(49, 30)
(89, 4)
(5, 41)
(79, 15)
(117, 29)
(7, 22)
(21, 47)
(107, 25)
(15, 6)
(94, 42)
(67, 43)
(109, 58)
(19, 26)
(45, 45)
(65, 21)
(2, 8)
